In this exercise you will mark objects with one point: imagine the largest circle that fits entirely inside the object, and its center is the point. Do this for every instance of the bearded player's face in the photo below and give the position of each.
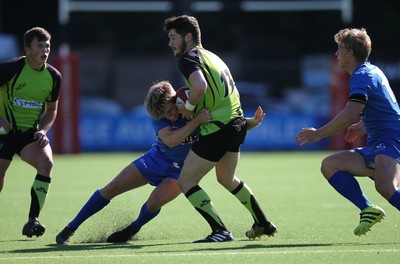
(177, 43)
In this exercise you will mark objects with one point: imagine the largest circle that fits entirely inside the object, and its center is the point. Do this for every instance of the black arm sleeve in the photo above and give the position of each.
(359, 98)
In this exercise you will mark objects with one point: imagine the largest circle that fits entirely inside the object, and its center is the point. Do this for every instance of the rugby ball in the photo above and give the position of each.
(182, 95)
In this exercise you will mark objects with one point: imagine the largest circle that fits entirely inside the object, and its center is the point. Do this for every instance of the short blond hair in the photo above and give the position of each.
(357, 40)
(159, 96)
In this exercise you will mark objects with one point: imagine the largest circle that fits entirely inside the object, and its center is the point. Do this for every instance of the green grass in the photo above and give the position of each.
(315, 224)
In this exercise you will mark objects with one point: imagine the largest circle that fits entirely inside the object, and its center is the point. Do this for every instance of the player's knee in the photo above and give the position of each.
(111, 190)
(183, 185)
(227, 182)
(153, 204)
(46, 165)
(327, 168)
(221, 181)
(385, 189)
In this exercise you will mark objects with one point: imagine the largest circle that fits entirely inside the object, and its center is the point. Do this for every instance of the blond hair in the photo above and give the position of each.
(159, 96)
(356, 40)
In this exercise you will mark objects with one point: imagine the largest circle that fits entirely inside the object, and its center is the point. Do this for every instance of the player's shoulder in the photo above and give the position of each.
(53, 70)
(199, 51)
(368, 71)
(365, 68)
(13, 62)
(193, 54)
(11, 67)
(161, 123)
(55, 74)
(362, 72)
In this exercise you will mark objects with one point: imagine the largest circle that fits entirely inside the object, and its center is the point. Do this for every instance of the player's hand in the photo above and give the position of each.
(259, 115)
(354, 132)
(5, 125)
(256, 120)
(203, 117)
(307, 136)
(184, 112)
(41, 138)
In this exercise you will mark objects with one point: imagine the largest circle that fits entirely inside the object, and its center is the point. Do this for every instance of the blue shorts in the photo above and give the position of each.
(154, 167)
(385, 146)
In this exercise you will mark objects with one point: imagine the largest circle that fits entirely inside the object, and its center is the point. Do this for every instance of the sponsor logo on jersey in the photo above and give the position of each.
(381, 146)
(27, 104)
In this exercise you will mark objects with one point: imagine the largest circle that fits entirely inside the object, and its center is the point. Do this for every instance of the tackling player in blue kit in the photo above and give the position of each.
(159, 167)
(372, 100)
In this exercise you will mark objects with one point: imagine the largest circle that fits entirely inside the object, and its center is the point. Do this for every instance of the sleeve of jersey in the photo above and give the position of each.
(360, 89)
(187, 65)
(56, 75)
(3, 76)
(359, 98)
(9, 68)
(160, 124)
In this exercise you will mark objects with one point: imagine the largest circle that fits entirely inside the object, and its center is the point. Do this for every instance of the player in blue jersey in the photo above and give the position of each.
(160, 166)
(371, 109)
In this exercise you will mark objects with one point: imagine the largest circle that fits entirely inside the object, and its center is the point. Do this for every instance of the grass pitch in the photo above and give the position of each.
(315, 224)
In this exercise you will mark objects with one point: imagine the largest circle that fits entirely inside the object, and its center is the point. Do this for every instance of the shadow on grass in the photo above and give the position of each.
(89, 246)
(16, 240)
(79, 247)
(224, 246)
(311, 245)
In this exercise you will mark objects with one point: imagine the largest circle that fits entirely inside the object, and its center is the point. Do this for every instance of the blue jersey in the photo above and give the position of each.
(178, 153)
(162, 162)
(381, 115)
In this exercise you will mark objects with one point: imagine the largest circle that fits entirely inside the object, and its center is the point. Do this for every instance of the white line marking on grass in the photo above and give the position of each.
(187, 254)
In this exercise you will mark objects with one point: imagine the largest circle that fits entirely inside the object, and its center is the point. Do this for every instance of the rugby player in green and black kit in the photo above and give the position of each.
(212, 87)
(29, 90)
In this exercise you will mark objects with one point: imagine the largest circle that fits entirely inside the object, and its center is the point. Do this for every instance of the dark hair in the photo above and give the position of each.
(37, 32)
(183, 25)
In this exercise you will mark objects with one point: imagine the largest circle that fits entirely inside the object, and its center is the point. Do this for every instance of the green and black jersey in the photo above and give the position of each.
(221, 98)
(23, 92)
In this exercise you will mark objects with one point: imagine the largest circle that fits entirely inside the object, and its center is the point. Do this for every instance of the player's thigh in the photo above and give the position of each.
(387, 170)
(4, 164)
(348, 160)
(165, 192)
(38, 157)
(129, 178)
(193, 170)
